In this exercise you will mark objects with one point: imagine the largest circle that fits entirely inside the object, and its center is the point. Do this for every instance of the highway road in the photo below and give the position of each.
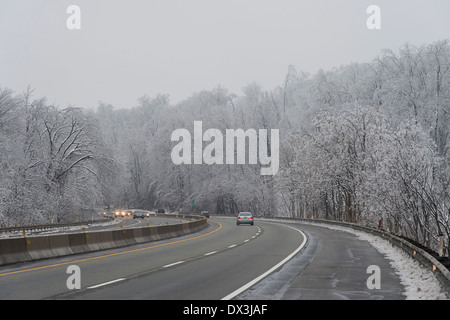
(221, 261)
(125, 223)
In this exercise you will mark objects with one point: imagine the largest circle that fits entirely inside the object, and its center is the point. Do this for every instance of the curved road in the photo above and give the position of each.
(219, 262)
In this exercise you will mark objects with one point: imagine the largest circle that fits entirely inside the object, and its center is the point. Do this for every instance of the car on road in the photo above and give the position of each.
(108, 213)
(141, 214)
(205, 214)
(161, 211)
(184, 211)
(244, 218)
(123, 213)
(120, 213)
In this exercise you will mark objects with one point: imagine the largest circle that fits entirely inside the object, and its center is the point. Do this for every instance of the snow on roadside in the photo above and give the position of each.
(418, 281)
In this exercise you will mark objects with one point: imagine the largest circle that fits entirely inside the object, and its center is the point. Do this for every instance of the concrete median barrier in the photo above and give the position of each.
(39, 248)
(100, 240)
(42, 247)
(170, 231)
(77, 242)
(142, 235)
(60, 245)
(123, 237)
(14, 250)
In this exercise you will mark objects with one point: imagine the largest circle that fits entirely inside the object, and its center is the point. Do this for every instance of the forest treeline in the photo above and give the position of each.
(365, 143)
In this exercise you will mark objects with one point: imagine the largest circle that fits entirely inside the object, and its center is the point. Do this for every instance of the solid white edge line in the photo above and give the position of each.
(265, 274)
(172, 264)
(105, 283)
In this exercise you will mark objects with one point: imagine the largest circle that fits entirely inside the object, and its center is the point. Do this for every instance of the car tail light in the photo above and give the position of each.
(239, 218)
(251, 218)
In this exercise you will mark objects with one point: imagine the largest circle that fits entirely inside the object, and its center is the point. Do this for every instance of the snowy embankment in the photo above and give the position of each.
(419, 282)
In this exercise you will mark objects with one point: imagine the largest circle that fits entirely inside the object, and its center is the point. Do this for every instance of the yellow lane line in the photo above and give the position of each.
(112, 254)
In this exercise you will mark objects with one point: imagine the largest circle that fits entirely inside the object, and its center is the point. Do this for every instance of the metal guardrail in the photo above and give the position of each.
(40, 227)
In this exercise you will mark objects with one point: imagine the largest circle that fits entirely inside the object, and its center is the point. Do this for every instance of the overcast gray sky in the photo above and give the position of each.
(129, 48)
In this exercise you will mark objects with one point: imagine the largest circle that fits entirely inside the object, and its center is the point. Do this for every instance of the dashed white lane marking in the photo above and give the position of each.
(168, 265)
(265, 274)
(172, 264)
(105, 283)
